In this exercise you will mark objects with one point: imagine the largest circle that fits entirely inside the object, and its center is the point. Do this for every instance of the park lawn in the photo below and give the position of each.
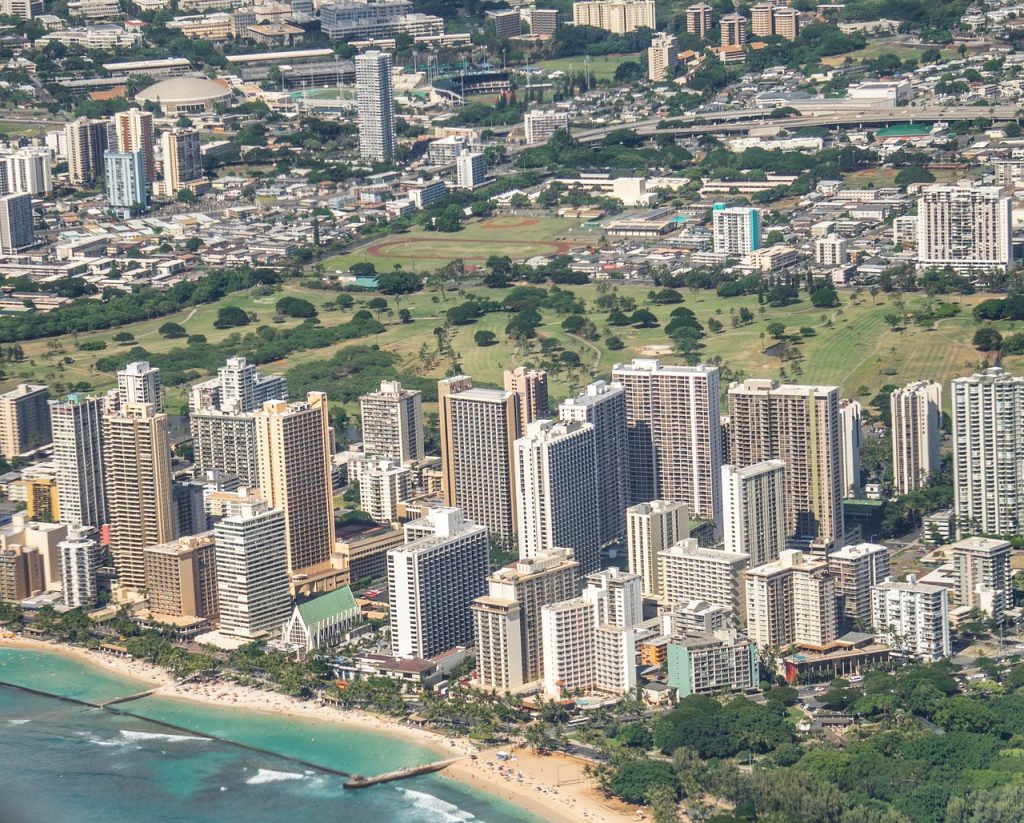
(884, 177)
(19, 128)
(601, 68)
(880, 47)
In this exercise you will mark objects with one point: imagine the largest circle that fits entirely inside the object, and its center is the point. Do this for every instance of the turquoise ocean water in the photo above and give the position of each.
(61, 762)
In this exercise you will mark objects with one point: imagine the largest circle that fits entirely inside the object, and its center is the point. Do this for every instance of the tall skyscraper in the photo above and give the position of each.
(850, 435)
(182, 160)
(800, 426)
(674, 434)
(134, 130)
(532, 387)
(603, 405)
(857, 568)
(80, 559)
(785, 22)
(77, 425)
(966, 228)
(392, 423)
(913, 617)
(791, 600)
(662, 57)
(754, 510)
(376, 106)
(432, 582)
(27, 170)
(137, 473)
(126, 182)
(181, 577)
(650, 529)
(17, 231)
(617, 595)
(294, 447)
(252, 568)
(87, 140)
(988, 453)
(24, 420)
(916, 414)
(556, 487)
(734, 30)
(737, 230)
(139, 382)
(478, 430)
(698, 19)
(761, 20)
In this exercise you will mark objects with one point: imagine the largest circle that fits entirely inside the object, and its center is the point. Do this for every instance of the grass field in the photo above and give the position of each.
(601, 68)
(883, 177)
(880, 47)
(859, 352)
(419, 250)
(18, 128)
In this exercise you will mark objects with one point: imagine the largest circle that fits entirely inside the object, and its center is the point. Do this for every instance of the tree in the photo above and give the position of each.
(399, 282)
(987, 339)
(404, 316)
(644, 319)
(172, 331)
(122, 338)
(614, 343)
(450, 220)
(914, 174)
(186, 196)
(633, 780)
(774, 238)
(574, 323)
(777, 330)
(229, 317)
(629, 72)
(484, 338)
(295, 307)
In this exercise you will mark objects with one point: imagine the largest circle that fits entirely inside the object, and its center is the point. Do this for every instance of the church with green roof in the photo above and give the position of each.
(321, 622)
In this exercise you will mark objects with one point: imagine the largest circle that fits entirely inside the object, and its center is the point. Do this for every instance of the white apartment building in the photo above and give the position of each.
(791, 601)
(754, 510)
(616, 16)
(617, 597)
(913, 617)
(139, 382)
(77, 426)
(376, 106)
(689, 572)
(392, 423)
(470, 170)
(857, 568)
(694, 617)
(916, 414)
(983, 575)
(382, 486)
(850, 436)
(540, 125)
(737, 230)
(988, 453)
(80, 559)
(651, 528)
(831, 251)
(432, 582)
(965, 228)
(26, 170)
(556, 485)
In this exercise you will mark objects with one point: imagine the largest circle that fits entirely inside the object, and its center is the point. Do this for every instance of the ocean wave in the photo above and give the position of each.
(175, 738)
(270, 776)
(434, 809)
(20, 721)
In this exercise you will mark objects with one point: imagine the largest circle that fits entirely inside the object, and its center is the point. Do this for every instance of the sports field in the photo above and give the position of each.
(602, 67)
(517, 237)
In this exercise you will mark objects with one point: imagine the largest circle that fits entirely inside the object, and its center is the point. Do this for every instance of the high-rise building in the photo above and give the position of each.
(21, 573)
(507, 22)
(543, 22)
(432, 582)
(603, 405)
(800, 426)
(651, 528)
(182, 160)
(384, 484)
(134, 130)
(27, 170)
(790, 601)
(689, 572)
(126, 182)
(507, 625)
(734, 30)
(294, 457)
(470, 170)
(831, 251)
(761, 20)
(181, 577)
(532, 387)
(737, 229)
(77, 426)
(87, 141)
(981, 570)
(24, 420)
(392, 423)
(916, 415)
(662, 56)
(674, 434)
(539, 125)
(479, 428)
(556, 491)
(617, 597)
(754, 510)
(850, 436)
(785, 22)
(376, 106)
(252, 568)
(616, 16)
(988, 453)
(913, 617)
(139, 382)
(137, 474)
(965, 228)
(857, 568)
(80, 559)
(23, 9)
(698, 19)
(17, 231)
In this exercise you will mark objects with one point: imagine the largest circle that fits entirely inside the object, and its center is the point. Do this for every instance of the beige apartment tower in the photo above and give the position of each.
(734, 30)
(137, 474)
(662, 56)
(698, 19)
(294, 447)
(134, 129)
(785, 22)
(857, 568)
(479, 428)
(24, 420)
(181, 577)
(791, 601)
(800, 426)
(754, 510)
(650, 529)
(761, 20)
(916, 412)
(392, 423)
(689, 572)
(616, 16)
(532, 387)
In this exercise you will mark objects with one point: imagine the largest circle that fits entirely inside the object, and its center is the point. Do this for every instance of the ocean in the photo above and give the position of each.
(66, 763)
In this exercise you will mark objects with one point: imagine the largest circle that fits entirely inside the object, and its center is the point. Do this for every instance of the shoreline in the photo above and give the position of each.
(538, 792)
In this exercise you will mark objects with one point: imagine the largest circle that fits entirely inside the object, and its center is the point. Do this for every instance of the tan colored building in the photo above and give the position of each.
(294, 448)
(689, 572)
(182, 162)
(181, 577)
(650, 529)
(41, 500)
(24, 420)
(785, 22)
(21, 573)
(983, 574)
(916, 412)
(479, 428)
(698, 19)
(392, 423)
(532, 387)
(137, 474)
(734, 30)
(43, 538)
(616, 16)
(800, 426)
(791, 601)
(761, 20)
(134, 130)
(857, 568)
(662, 56)
(754, 510)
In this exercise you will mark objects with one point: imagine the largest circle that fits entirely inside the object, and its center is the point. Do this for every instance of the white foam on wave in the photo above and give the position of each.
(434, 809)
(176, 738)
(21, 721)
(270, 776)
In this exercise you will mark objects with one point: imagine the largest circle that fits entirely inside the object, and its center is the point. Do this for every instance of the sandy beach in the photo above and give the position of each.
(553, 787)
